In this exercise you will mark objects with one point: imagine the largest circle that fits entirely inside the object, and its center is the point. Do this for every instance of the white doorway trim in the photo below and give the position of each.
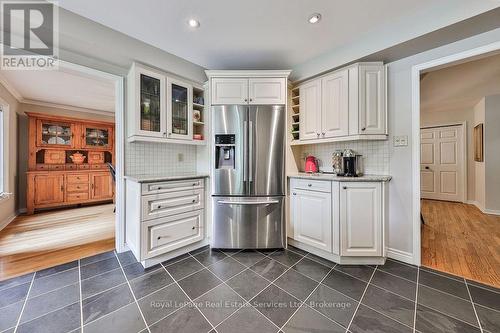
(464, 152)
(415, 78)
(119, 146)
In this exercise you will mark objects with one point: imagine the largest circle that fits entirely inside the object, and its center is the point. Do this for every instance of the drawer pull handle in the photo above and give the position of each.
(344, 187)
(294, 193)
(193, 228)
(159, 237)
(194, 200)
(309, 185)
(158, 207)
(194, 184)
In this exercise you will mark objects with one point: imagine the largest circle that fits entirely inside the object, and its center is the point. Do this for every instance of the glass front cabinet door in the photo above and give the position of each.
(180, 109)
(55, 134)
(151, 99)
(97, 137)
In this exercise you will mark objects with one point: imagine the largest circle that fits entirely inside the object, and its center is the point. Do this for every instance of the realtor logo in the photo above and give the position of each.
(29, 35)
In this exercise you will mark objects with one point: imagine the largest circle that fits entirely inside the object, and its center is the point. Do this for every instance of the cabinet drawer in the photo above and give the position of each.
(167, 234)
(98, 166)
(83, 187)
(78, 196)
(166, 204)
(313, 185)
(172, 186)
(77, 178)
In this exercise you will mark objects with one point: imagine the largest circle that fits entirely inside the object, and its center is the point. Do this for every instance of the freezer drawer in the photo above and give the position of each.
(166, 204)
(248, 223)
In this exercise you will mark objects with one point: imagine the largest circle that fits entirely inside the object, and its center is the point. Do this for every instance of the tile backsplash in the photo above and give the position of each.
(375, 154)
(147, 158)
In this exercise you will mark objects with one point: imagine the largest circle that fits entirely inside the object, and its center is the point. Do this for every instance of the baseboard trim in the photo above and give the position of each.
(482, 209)
(6, 221)
(403, 256)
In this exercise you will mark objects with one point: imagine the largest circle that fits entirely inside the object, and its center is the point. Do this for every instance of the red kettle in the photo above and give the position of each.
(311, 164)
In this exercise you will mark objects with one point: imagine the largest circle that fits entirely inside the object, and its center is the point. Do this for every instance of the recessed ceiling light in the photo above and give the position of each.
(194, 23)
(314, 18)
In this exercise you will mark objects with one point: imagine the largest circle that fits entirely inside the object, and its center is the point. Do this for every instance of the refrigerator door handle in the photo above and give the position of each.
(250, 153)
(245, 150)
(262, 202)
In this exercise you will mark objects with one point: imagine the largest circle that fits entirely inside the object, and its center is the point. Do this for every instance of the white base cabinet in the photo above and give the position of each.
(311, 215)
(360, 219)
(340, 221)
(162, 217)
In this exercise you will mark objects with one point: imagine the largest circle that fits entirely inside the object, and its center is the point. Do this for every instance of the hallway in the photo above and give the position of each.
(459, 239)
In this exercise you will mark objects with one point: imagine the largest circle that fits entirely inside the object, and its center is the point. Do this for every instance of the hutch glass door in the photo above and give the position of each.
(180, 121)
(150, 97)
(55, 134)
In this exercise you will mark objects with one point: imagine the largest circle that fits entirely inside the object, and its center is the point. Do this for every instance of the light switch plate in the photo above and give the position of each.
(401, 141)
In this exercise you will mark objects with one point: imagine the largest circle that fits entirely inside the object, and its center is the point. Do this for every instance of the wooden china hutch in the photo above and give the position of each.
(67, 162)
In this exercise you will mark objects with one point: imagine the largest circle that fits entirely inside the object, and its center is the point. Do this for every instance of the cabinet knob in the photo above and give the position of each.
(194, 184)
(364, 128)
(193, 228)
(323, 133)
(344, 187)
(194, 200)
(309, 185)
(294, 193)
(159, 237)
(427, 168)
(317, 134)
(251, 99)
(246, 100)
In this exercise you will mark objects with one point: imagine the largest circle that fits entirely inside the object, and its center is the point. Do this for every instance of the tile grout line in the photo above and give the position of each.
(416, 303)
(24, 305)
(81, 300)
(473, 307)
(189, 298)
(305, 299)
(361, 299)
(133, 295)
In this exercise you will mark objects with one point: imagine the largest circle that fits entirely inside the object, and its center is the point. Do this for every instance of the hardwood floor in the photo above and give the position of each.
(34, 242)
(458, 238)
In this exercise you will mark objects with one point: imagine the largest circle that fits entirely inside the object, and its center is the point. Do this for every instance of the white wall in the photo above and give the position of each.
(8, 205)
(479, 170)
(492, 153)
(400, 235)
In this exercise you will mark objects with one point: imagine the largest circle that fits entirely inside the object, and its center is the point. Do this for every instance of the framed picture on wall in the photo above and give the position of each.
(478, 143)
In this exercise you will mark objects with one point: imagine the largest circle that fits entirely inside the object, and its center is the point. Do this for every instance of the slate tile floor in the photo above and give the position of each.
(244, 291)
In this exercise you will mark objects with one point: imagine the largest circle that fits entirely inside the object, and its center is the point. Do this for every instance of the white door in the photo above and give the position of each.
(360, 219)
(229, 91)
(335, 102)
(442, 163)
(310, 110)
(179, 110)
(263, 91)
(372, 100)
(312, 218)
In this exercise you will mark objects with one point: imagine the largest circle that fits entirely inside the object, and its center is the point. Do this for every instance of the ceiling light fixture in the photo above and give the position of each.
(193, 23)
(314, 18)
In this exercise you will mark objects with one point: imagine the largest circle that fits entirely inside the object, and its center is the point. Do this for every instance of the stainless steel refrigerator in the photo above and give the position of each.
(249, 176)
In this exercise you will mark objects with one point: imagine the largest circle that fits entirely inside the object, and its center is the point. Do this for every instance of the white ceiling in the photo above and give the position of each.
(265, 34)
(64, 87)
(460, 87)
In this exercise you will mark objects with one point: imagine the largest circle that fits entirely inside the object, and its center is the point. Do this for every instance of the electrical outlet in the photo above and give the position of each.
(180, 157)
(401, 141)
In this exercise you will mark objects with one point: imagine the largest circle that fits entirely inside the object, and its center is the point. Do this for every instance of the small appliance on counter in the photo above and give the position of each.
(352, 164)
(311, 164)
(337, 163)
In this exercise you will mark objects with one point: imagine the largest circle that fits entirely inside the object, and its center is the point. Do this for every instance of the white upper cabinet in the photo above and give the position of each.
(267, 91)
(348, 104)
(335, 102)
(180, 107)
(229, 91)
(371, 108)
(310, 110)
(160, 107)
(255, 91)
(361, 232)
(148, 111)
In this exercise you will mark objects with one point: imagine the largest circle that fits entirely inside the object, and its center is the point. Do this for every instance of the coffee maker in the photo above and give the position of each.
(352, 164)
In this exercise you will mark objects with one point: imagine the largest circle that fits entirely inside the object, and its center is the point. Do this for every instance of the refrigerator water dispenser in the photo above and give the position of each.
(225, 151)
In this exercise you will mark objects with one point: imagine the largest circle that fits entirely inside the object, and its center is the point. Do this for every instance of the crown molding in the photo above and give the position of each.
(67, 107)
(10, 88)
(248, 73)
